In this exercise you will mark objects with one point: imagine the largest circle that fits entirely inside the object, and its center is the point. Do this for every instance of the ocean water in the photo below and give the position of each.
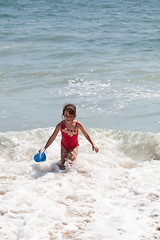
(104, 57)
(101, 55)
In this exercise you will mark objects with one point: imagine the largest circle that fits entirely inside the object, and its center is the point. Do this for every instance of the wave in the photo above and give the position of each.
(139, 146)
(136, 146)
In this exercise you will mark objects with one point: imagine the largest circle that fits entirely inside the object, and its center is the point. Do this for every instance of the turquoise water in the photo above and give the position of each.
(104, 56)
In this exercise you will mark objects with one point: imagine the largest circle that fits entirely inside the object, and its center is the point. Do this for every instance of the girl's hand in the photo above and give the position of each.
(41, 151)
(95, 148)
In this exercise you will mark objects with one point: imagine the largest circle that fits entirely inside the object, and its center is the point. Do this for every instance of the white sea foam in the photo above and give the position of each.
(113, 194)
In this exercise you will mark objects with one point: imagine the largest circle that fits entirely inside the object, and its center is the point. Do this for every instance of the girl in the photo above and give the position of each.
(69, 129)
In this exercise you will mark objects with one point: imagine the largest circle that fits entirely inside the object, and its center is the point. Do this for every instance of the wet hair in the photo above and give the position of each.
(71, 108)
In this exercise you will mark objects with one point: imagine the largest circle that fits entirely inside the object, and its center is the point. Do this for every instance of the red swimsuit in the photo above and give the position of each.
(69, 137)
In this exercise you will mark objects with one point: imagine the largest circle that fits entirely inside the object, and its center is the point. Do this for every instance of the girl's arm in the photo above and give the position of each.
(53, 136)
(87, 136)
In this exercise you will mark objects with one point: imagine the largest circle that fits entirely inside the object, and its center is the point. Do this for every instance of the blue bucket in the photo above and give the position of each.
(40, 157)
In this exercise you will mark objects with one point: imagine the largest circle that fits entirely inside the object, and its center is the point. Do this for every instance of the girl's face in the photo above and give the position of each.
(68, 117)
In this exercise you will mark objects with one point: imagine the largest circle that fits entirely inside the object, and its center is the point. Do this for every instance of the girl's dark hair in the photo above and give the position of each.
(71, 108)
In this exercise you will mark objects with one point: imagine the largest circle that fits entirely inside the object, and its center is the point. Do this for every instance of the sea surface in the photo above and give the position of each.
(104, 57)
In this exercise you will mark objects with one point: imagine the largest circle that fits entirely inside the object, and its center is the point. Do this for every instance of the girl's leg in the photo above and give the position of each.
(73, 154)
(64, 154)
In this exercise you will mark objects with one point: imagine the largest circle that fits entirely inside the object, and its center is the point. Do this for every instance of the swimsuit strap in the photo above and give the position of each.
(65, 125)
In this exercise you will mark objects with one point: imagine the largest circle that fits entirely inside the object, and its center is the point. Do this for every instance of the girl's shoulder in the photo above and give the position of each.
(59, 124)
(79, 124)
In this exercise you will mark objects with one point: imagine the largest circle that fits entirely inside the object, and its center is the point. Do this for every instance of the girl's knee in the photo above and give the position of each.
(73, 156)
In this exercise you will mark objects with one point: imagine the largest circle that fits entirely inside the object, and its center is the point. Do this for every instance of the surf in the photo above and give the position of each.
(138, 146)
(89, 197)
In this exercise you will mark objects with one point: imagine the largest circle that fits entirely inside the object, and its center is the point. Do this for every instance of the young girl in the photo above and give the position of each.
(69, 129)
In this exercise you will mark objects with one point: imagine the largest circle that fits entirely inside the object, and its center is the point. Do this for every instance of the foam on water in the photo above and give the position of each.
(113, 194)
